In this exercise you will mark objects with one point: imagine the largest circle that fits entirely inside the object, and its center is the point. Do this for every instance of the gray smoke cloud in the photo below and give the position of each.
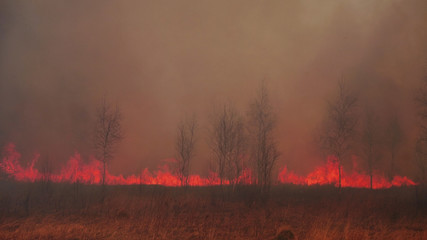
(160, 60)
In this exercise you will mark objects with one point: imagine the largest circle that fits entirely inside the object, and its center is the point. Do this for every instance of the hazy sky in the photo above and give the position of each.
(160, 60)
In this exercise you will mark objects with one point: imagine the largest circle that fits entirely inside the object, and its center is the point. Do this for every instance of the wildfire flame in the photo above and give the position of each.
(328, 174)
(76, 171)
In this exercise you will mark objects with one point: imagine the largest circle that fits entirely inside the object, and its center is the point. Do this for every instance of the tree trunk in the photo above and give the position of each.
(339, 175)
(392, 165)
(103, 174)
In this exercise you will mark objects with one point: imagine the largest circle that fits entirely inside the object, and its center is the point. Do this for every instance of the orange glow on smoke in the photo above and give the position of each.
(76, 170)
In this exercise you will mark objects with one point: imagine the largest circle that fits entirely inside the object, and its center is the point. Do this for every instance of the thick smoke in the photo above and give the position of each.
(161, 60)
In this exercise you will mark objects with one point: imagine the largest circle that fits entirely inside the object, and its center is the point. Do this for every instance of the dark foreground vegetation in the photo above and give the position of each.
(75, 211)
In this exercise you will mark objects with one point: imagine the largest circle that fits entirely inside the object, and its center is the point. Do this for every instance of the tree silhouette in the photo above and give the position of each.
(340, 124)
(262, 141)
(227, 143)
(184, 146)
(107, 134)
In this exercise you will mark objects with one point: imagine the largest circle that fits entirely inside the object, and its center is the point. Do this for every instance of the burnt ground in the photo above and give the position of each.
(75, 211)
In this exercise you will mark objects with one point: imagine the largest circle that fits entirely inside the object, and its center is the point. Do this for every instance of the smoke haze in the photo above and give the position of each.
(162, 60)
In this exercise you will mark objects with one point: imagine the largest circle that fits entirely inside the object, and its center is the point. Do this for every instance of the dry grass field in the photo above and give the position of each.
(61, 211)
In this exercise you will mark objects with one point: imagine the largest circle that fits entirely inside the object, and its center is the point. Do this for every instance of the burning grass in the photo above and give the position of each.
(74, 211)
(77, 171)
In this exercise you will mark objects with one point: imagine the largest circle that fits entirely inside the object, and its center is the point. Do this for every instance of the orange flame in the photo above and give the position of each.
(76, 170)
(328, 174)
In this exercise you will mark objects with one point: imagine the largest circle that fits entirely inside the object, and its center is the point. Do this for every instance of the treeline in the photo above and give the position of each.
(235, 140)
(351, 129)
(238, 141)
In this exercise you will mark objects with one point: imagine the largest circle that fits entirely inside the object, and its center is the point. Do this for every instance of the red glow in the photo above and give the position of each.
(91, 173)
(76, 170)
(328, 174)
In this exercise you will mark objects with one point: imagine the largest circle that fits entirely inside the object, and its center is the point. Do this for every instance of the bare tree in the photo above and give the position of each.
(46, 174)
(371, 143)
(227, 143)
(340, 125)
(46, 170)
(108, 133)
(263, 145)
(394, 137)
(184, 146)
(235, 164)
(421, 146)
(420, 158)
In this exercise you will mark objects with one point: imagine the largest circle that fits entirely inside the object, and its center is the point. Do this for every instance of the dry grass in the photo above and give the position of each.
(30, 211)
